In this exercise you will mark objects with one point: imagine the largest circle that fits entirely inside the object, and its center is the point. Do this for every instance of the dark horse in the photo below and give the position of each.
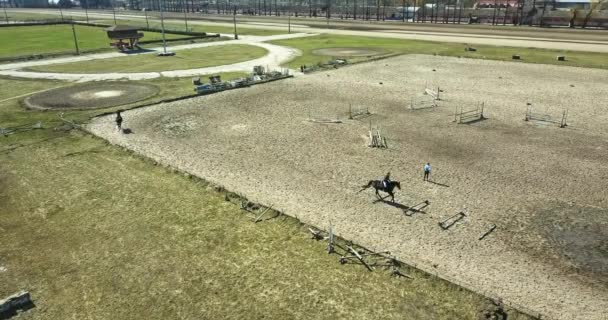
(379, 186)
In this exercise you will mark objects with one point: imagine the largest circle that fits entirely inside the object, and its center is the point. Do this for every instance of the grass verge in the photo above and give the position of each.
(398, 46)
(184, 59)
(37, 40)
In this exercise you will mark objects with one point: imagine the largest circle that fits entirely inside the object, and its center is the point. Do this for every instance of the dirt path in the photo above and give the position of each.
(544, 187)
(276, 56)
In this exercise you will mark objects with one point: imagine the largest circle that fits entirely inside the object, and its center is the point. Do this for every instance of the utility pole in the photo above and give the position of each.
(328, 9)
(162, 26)
(114, 12)
(146, 14)
(5, 14)
(60, 11)
(75, 40)
(289, 23)
(185, 14)
(236, 35)
(86, 9)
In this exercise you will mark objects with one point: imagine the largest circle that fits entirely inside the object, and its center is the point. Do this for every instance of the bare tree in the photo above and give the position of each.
(592, 8)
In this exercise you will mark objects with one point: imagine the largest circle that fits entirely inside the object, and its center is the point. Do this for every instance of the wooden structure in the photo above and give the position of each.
(121, 33)
(465, 116)
(357, 112)
(323, 118)
(450, 221)
(530, 115)
(376, 140)
(483, 235)
(423, 102)
(432, 93)
(417, 208)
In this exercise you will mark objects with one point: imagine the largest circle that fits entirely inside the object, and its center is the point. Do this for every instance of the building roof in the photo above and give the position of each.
(122, 28)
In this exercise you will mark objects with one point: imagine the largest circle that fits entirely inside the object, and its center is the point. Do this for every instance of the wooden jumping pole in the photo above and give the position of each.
(359, 257)
(262, 214)
(330, 240)
(492, 228)
(563, 123)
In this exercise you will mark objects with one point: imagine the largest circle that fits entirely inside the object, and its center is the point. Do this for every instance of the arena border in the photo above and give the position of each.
(428, 270)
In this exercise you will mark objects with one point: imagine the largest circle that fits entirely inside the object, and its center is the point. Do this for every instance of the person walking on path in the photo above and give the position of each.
(118, 121)
(427, 171)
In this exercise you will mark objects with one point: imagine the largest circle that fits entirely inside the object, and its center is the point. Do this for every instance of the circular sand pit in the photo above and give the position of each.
(349, 52)
(92, 96)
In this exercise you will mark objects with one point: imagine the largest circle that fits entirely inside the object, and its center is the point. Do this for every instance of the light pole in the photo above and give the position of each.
(86, 11)
(60, 11)
(165, 53)
(289, 23)
(75, 40)
(185, 13)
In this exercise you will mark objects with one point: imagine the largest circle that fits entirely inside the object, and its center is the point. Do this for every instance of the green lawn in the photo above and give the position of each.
(81, 220)
(398, 46)
(33, 40)
(184, 59)
(27, 16)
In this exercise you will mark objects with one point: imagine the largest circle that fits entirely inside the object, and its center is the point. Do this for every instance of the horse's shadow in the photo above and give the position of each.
(392, 204)
(407, 210)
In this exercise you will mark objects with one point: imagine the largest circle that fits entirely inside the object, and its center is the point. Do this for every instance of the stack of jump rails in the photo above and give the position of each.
(353, 254)
(376, 140)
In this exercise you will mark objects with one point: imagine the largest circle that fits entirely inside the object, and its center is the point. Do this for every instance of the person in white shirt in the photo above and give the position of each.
(427, 171)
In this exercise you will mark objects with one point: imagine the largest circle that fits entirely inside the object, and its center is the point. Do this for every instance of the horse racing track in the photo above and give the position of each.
(515, 208)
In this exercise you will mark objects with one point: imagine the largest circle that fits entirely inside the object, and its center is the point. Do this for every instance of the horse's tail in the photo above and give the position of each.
(369, 184)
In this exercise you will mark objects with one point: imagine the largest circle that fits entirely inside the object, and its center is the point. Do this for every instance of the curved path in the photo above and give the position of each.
(276, 56)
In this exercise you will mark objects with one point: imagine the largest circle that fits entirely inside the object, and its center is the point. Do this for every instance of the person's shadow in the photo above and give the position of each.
(437, 183)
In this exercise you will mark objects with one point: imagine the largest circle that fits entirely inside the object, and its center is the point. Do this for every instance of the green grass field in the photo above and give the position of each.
(27, 16)
(33, 40)
(93, 231)
(184, 59)
(398, 46)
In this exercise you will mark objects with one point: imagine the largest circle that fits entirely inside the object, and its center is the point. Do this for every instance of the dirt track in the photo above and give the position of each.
(543, 186)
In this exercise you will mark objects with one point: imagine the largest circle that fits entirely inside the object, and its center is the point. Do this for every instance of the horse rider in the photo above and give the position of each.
(386, 180)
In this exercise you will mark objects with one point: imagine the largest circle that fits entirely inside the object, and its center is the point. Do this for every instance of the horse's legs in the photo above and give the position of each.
(392, 196)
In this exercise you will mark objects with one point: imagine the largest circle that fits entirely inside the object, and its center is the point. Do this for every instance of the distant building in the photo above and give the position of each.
(496, 3)
(553, 4)
(566, 4)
